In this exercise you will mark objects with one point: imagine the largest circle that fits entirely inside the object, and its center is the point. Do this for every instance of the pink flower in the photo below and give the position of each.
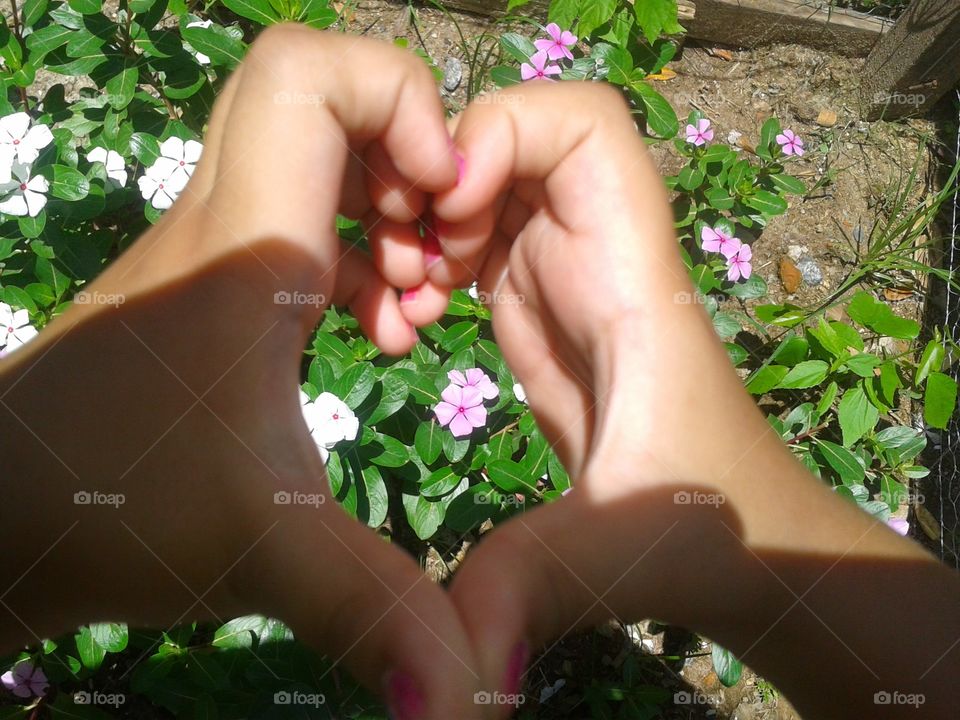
(25, 680)
(738, 265)
(701, 133)
(462, 409)
(716, 240)
(900, 526)
(539, 70)
(474, 377)
(790, 143)
(557, 46)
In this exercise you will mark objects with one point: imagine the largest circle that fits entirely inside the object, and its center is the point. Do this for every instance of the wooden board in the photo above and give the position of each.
(746, 23)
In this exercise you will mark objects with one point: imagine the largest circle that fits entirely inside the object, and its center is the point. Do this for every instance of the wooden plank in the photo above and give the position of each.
(914, 64)
(746, 23)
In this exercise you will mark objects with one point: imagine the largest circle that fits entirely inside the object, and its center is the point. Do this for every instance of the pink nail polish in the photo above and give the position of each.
(432, 252)
(515, 668)
(461, 166)
(409, 295)
(404, 699)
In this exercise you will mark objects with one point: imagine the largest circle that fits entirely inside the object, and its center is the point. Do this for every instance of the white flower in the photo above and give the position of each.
(25, 141)
(519, 393)
(177, 159)
(331, 420)
(306, 407)
(473, 292)
(26, 194)
(161, 192)
(112, 161)
(15, 328)
(201, 58)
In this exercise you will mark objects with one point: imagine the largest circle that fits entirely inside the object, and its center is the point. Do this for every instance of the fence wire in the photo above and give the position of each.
(946, 471)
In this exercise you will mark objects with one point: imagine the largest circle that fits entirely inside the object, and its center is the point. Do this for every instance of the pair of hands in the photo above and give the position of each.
(184, 398)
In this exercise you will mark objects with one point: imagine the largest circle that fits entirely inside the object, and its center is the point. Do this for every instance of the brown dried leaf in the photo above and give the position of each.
(664, 74)
(897, 294)
(790, 275)
(827, 118)
(927, 522)
(720, 53)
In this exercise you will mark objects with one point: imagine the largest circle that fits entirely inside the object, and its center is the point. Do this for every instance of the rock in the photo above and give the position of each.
(452, 74)
(805, 112)
(795, 252)
(811, 272)
(826, 118)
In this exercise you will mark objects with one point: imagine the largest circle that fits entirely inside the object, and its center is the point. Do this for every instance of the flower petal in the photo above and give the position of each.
(471, 397)
(457, 378)
(192, 151)
(477, 416)
(460, 426)
(14, 127)
(38, 137)
(14, 205)
(98, 154)
(172, 148)
(553, 30)
(35, 202)
(453, 394)
(445, 412)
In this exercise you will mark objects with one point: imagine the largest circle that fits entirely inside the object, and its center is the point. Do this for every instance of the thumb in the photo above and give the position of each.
(365, 604)
(572, 565)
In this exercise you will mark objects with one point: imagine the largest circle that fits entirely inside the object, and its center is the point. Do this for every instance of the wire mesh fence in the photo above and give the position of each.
(946, 443)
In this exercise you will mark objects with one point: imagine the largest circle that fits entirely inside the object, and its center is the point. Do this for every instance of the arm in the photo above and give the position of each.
(561, 205)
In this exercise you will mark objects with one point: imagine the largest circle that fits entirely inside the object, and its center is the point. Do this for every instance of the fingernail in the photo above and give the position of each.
(432, 252)
(414, 334)
(409, 295)
(515, 667)
(404, 699)
(461, 166)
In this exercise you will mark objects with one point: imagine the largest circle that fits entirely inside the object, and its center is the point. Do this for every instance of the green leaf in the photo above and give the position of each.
(766, 379)
(857, 415)
(618, 62)
(355, 384)
(394, 454)
(788, 184)
(85, 7)
(425, 516)
(517, 46)
(791, 351)
(32, 10)
(471, 507)
(32, 227)
(871, 313)
(727, 667)
(736, 353)
(593, 14)
(661, 118)
(752, 288)
(564, 12)
(767, 203)
(68, 184)
(218, 44)
(768, 137)
(378, 500)
(145, 147)
(46, 39)
(91, 652)
(505, 76)
(807, 374)
(429, 442)
(847, 465)
(690, 178)
(826, 400)
(394, 396)
(719, 198)
(510, 476)
(121, 87)
(459, 336)
(243, 632)
(939, 400)
(260, 11)
(47, 273)
(902, 444)
(726, 325)
(930, 361)
(110, 636)
(439, 483)
(656, 17)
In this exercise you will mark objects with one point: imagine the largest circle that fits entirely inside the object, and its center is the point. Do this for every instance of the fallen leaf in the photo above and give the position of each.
(897, 294)
(928, 523)
(827, 118)
(790, 275)
(720, 53)
(664, 74)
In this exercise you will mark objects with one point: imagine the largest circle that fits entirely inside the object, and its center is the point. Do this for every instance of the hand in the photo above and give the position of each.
(183, 399)
(561, 205)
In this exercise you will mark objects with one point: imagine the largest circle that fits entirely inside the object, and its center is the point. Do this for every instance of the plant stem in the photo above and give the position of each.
(18, 34)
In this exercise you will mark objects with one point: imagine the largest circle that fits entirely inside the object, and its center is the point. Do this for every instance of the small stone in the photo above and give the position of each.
(452, 74)
(811, 272)
(795, 252)
(826, 118)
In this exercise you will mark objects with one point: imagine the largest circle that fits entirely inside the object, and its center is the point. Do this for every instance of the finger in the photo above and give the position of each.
(354, 201)
(392, 195)
(368, 607)
(425, 303)
(372, 93)
(397, 251)
(501, 588)
(463, 247)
